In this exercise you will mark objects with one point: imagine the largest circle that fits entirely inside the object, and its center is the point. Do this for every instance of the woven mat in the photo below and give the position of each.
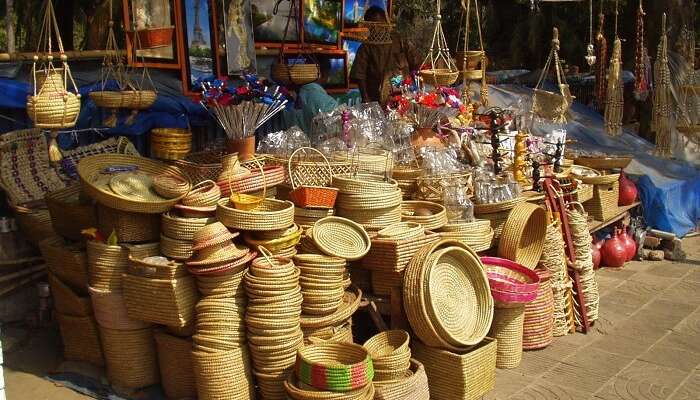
(25, 171)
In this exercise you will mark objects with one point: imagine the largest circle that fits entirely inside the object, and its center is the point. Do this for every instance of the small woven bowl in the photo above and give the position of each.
(171, 186)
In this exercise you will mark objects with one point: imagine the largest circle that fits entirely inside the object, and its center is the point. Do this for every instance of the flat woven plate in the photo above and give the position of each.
(341, 237)
(134, 186)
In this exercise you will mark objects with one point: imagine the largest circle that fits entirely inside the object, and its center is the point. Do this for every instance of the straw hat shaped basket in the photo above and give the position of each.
(134, 192)
(309, 193)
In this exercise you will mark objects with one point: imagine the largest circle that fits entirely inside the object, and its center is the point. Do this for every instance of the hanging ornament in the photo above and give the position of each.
(641, 60)
(472, 63)
(590, 49)
(614, 101)
(661, 111)
(601, 53)
(439, 69)
(52, 106)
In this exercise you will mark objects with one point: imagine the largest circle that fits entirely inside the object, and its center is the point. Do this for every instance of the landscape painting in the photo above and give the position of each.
(354, 11)
(268, 26)
(322, 21)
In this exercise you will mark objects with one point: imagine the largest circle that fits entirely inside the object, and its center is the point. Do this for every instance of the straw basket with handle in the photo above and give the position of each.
(472, 63)
(248, 202)
(548, 105)
(295, 73)
(441, 69)
(311, 191)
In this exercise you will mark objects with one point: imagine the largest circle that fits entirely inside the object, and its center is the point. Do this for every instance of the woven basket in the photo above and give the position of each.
(538, 324)
(464, 376)
(429, 222)
(170, 186)
(311, 191)
(432, 187)
(106, 264)
(176, 249)
(110, 311)
(91, 170)
(179, 228)
(372, 220)
(296, 74)
(390, 354)
(130, 357)
(393, 255)
(223, 374)
(70, 215)
(34, 223)
(384, 282)
(275, 245)
(175, 365)
(477, 234)
(297, 390)
(523, 235)
(254, 182)
(53, 107)
(600, 179)
(414, 385)
(313, 171)
(340, 333)
(151, 297)
(66, 301)
(336, 367)
(81, 339)
(439, 77)
(341, 237)
(203, 194)
(270, 215)
(402, 231)
(67, 262)
(584, 192)
(507, 329)
(130, 227)
(388, 199)
(603, 206)
(604, 163)
(170, 143)
(456, 278)
(306, 217)
(363, 184)
(378, 32)
(350, 304)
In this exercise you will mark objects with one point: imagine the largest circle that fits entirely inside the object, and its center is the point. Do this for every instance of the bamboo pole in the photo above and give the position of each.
(72, 55)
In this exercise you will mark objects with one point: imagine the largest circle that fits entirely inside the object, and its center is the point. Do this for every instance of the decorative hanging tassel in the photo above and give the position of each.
(614, 101)
(641, 60)
(601, 54)
(661, 111)
(54, 151)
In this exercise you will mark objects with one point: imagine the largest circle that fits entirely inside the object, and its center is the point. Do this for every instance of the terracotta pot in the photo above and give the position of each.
(628, 191)
(244, 147)
(614, 252)
(595, 252)
(630, 244)
(426, 137)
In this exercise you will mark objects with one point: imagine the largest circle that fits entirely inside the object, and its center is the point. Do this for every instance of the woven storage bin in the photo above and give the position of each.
(523, 235)
(106, 265)
(69, 214)
(81, 339)
(66, 301)
(538, 324)
(393, 255)
(67, 262)
(464, 376)
(413, 386)
(584, 192)
(170, 143)
(152, 296)
(179, 228)
(35, 224)
(175, 364)
(130, 357)
(437, 219)
(477, 234)
(507, 329)
(339, 333)
(431, 188)
(110, 311)
(603, 205)
(390, 354)
(384, 281)
(270, 215)
(130, 227)
(223, 374)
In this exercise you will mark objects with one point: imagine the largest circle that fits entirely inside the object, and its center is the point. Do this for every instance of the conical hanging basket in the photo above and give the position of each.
(472, 63)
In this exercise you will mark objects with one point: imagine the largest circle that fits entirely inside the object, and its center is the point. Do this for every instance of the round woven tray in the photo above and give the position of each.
(341, 237)
(270, 215)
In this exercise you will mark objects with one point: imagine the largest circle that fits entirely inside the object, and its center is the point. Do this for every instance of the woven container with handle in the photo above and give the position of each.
(66, 301)
(81, 339)
(459, 376)
(67, 261)
(130, 227)
(538, 324)
(130, 356)
(175, 364)
(507, 329)
(414, 385)
(69, 213)
(523, 235)
(106, 265)
(603, 205)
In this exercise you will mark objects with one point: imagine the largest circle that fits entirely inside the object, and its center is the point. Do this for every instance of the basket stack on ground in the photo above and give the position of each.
(370, 200)
(323, 283)
(449, 306)
(578, 221)
(512, 286)
(220, 356)
(331, 370)
(538, 325)
(393, 368)
(392, 249)
(554, 260)
(272, 320)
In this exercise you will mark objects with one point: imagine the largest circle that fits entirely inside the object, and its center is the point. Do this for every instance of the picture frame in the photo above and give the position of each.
(268, 26)
(235, 36)
(153, 33)
(351, 47)
(354, 11)
(199, 51)
(322, 22)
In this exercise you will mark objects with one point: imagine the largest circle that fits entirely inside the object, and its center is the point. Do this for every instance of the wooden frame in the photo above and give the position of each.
(186, 70)
(134, 60)
(321, 44)
(277, 44)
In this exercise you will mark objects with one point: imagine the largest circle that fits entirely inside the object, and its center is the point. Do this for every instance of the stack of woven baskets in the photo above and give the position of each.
(170, 143)
(432, 216)
(335, 327)
(538, 325)
(554, 261)
(220, 356)
(477, 234)
(496, 214)
(272, 320)
(331, 370)
(280, 242)
(393, 368)
(406, 179)
(369, 200)
(322, 280)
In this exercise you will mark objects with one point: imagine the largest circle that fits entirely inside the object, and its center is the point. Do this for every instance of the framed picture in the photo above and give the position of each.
(269, 22)
(322, 21)
(237, 36)
(351, 47)
(354, 11)
(152, 33)
(264, 64)
(200, 44)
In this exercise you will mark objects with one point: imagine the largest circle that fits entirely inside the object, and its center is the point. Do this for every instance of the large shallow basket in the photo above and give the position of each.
(523, 235)
(270, 215)
(336, 367)
(341, 237)
(92, 171)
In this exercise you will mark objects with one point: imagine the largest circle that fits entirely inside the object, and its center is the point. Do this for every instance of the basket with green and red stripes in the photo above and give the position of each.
(335, 367)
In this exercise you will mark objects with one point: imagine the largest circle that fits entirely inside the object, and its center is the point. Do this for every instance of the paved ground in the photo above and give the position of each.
(646, 346)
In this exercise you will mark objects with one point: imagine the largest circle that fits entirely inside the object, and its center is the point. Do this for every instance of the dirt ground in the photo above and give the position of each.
(645, 346)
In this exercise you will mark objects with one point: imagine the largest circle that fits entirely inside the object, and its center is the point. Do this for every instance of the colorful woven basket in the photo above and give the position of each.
(336, 367)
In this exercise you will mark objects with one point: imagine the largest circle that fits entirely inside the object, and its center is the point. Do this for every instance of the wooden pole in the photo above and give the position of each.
(72, 55)
(10, 25)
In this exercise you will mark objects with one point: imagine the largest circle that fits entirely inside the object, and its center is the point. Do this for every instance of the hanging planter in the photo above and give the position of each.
(439, 68)
(549, 105)
(300, 70)
(472, 63)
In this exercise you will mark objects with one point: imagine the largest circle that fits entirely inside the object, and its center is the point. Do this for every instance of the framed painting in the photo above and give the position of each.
(236, 36)
(200, 43)
(351, 47)
(322, 21)
(354, 11)
(269, 19)
(152, 33)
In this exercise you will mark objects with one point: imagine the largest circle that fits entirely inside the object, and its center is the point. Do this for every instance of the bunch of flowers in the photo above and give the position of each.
(424, 108)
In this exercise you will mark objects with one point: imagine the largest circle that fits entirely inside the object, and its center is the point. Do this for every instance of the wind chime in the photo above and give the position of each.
(440, 68)
(590, 49)
(661, 111)
(550, 106)
(472, 63)
(641, 60)
(614, 101)
(52, 106)
(601, 54)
